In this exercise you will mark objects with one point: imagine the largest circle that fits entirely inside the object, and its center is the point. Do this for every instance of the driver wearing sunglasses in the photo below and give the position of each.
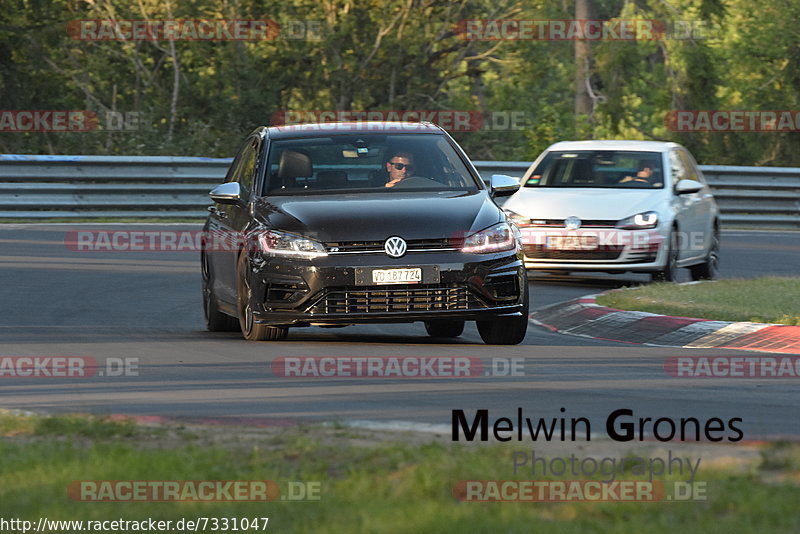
(399, 167)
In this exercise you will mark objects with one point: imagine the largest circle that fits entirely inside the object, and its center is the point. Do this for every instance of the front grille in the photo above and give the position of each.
(377, 246)
(382, 299)
(559, 223)
(603, 252)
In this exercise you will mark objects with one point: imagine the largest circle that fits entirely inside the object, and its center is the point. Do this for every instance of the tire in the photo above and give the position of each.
(709, 269)
(216, 321)
(250, 330)
(670, 271)
(444, 328)
(506, 330)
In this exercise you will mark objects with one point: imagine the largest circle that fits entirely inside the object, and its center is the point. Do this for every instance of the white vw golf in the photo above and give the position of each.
(617, 206)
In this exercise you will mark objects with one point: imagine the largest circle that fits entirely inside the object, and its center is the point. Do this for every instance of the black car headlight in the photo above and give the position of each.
(640, 221)
(275, 243)
(498, 238)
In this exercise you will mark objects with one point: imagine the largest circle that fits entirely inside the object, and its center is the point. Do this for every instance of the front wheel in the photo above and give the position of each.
(244, 295)
(216, 321)
(709, 269)
(506, 330)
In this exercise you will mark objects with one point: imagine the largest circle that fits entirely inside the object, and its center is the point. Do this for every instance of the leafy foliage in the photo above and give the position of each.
(199, 97)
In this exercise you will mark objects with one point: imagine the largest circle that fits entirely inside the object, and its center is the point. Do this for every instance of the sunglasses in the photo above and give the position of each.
(401, 166)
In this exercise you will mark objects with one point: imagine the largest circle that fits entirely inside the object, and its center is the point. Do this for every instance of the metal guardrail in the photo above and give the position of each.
(94, 187)
(87, 187)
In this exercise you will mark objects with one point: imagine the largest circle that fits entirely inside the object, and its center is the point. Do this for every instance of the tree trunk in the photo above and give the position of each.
(584, 9)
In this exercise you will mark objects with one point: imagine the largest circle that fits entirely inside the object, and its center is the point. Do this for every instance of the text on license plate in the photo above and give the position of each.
(397, 276)
(572, 242)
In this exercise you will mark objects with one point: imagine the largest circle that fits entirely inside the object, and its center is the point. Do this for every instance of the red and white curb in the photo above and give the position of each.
(584, 317)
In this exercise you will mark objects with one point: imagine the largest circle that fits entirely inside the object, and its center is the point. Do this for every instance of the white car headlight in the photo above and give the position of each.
(274, 243)
(518, 219)
(640, 221)
(500, 237)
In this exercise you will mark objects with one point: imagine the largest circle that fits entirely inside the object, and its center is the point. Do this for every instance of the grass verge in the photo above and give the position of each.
(388, 486)
(760, 300)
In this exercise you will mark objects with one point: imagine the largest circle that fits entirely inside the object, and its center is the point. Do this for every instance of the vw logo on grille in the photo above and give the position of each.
(395, 247)
(572, 223)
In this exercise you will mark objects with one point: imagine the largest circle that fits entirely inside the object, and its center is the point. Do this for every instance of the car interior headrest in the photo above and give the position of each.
(582, 172)
(294, 165)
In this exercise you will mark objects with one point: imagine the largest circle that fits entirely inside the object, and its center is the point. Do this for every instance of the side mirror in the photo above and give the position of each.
(686, 186)
(227, 193)
(501, 185)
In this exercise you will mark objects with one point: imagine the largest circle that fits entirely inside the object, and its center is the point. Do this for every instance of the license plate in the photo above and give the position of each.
(397, 276)
(572, 242)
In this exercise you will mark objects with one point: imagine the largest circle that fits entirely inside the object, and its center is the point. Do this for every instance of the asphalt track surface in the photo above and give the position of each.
(146, 306)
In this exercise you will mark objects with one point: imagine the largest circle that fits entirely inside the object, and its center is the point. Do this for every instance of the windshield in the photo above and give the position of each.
(365, 163)
(599, 168)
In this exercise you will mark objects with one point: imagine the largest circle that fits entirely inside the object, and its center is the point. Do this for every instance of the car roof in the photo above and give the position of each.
(611, 144)
(349, 128)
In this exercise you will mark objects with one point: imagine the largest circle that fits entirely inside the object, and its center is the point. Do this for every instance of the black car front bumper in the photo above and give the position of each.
(337, 289)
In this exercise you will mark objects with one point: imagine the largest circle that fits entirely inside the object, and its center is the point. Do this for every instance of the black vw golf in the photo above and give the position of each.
(337, 224)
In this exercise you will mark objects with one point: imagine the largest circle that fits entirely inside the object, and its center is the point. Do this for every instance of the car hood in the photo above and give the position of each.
(376, 216)
(586, 203)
